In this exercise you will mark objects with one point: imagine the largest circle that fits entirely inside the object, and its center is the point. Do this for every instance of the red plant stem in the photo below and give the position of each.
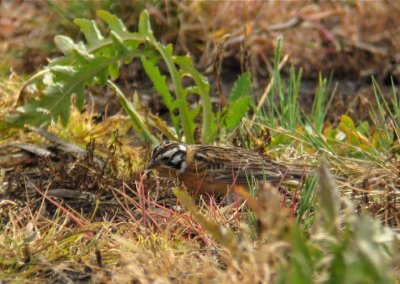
(58, 205)
(144, 212)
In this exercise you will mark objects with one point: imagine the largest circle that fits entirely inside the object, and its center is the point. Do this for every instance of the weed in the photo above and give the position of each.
(97, 60)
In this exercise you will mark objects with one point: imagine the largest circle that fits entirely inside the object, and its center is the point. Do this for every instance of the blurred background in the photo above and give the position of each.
(347, 41)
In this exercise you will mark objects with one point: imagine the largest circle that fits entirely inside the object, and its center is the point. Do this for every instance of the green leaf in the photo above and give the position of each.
(65, 44)
(363, 127)
(56, 103)
(80, 96)
(242, 87)
(144, 24)
(82, 56)
(66, 71)
(160, 84)
(31, 114)
(239, 101)
(209, 126)
(61, 83)
(159, 81)
(115, 24)
(91, 32)
(301, 265)
(186, 64)
(329, 200)
(347, 122)
(102, 77)
(188, 124)
(113, 70)
(120, 48)
(136, 119)
(53, 105)
(68, 47)
(236, 111)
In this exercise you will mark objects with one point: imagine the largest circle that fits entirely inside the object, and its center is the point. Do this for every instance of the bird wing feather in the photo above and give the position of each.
(237, 165)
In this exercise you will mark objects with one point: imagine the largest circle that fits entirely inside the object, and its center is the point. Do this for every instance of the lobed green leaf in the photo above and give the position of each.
(242, 87)
(91, 32)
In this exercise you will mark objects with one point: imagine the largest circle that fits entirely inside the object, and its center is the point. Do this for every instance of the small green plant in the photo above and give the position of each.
(386, 117)
(321, 104)
(97, 62)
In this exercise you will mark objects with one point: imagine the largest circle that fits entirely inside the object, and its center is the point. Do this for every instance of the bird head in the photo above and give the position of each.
(168, 155)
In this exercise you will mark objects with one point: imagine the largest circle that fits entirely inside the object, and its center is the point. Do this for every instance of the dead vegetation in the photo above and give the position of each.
(69, 216)
(352, 39)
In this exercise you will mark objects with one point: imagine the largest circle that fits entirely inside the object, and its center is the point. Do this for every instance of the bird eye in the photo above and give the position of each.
(165, 159)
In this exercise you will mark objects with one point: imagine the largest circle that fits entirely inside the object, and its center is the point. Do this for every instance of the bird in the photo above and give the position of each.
(217, 169)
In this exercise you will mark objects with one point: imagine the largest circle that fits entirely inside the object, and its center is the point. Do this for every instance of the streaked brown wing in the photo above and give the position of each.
(244, 174)
(230, 164)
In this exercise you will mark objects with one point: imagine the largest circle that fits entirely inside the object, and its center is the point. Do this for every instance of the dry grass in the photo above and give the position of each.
(123, 227)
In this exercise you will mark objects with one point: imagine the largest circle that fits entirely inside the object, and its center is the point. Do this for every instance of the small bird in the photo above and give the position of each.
(216, 169)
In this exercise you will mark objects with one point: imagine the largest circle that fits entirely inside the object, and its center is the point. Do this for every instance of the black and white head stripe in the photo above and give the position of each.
(170, 155)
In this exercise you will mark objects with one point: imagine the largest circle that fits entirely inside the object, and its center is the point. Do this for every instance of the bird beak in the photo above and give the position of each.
(151, 165)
